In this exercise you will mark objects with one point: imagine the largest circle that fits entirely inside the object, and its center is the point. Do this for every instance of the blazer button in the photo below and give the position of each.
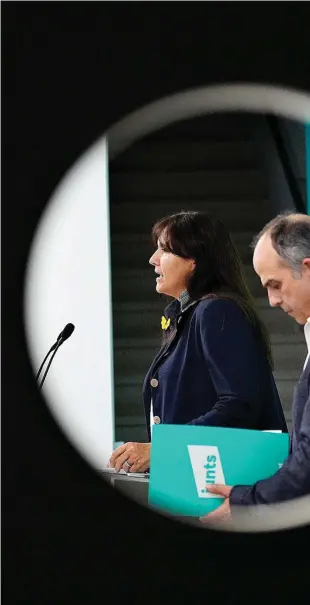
(156, 420)
(154, 382)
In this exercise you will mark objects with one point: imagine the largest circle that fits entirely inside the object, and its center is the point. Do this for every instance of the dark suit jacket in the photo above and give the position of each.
(293, 479)
(215, 372)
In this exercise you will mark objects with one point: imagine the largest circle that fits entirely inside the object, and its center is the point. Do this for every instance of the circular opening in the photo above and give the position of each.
(62, 220)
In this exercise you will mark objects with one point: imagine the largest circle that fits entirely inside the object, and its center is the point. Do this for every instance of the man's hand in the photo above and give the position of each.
(132, 457)
(222, 513)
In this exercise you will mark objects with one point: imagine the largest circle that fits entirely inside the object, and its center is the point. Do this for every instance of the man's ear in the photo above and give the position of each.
(306, 265)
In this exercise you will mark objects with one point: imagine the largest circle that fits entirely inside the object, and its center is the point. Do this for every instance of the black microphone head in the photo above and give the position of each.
(67, 331)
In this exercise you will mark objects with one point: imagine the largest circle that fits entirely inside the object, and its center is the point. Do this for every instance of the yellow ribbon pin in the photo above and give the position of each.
(165, 323)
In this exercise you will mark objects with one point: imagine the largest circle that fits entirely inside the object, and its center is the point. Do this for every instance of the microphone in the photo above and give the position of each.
(66, 333)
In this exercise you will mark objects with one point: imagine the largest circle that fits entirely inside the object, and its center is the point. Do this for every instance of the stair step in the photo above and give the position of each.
(130, 427)
(148, 326)
(132, 383)
(130, 284)
(139, 216)
(185, 184)
(135, 249)
(277, 340)
(142, 319)
(134, 356)
(128, 397)
(131, 420)
(179, 155)
(139, 419)
(128, 392)
(135, 343)
(276, 321)
(124, 239)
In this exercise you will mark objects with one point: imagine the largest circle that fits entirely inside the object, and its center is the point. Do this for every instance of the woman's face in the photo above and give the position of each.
(173, 272)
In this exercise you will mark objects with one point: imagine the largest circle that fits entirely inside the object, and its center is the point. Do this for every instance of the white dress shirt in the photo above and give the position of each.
(307, 337)
(151, 417)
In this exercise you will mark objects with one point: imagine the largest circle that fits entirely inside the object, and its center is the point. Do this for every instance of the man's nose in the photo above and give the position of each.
(275, 300)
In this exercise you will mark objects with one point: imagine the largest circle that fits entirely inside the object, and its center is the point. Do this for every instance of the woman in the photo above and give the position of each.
(214, 367)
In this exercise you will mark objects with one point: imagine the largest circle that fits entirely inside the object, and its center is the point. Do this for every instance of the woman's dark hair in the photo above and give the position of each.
(218, 270)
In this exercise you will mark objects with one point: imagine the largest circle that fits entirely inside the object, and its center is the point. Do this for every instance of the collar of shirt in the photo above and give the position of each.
(186, 301)
(177, 307)
(307, 333)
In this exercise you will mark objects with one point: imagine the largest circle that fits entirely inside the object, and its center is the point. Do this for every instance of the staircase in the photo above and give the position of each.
(211, 164)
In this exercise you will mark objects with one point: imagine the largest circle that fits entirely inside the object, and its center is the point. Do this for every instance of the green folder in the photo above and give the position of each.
(185, 458)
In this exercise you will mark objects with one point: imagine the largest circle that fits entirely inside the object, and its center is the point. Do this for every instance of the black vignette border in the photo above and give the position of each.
(71, 70)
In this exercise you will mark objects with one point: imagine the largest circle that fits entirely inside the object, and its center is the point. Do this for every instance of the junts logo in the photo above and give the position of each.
(207, 468)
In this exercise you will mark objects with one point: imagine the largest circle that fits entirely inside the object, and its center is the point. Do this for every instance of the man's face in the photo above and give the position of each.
(286, 289)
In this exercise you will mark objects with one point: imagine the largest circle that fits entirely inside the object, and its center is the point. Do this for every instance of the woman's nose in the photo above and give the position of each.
(154, 260)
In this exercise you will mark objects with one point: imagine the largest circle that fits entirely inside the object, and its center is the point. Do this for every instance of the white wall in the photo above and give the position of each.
(69, 281)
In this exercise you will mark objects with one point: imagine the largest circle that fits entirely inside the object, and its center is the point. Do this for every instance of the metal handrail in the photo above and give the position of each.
(284, 158)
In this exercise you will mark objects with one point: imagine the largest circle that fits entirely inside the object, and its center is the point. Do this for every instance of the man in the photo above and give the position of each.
(282, 261)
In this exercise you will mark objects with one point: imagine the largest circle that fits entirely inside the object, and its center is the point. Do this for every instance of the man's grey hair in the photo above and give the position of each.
(290, 236)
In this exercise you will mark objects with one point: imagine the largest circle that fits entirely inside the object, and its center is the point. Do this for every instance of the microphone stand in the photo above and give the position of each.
(44, 360)
(66, 333)
(50, 361)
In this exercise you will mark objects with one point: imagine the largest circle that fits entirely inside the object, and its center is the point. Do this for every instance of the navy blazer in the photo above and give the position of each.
(293, 479)
(214, 372)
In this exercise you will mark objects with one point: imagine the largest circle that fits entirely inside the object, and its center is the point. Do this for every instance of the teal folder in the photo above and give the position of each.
(184, 459)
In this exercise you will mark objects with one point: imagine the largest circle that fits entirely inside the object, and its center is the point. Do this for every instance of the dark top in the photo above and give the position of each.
(214, 372)
(293, 479)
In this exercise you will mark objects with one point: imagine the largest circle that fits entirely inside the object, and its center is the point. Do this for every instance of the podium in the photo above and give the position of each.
(135, 487)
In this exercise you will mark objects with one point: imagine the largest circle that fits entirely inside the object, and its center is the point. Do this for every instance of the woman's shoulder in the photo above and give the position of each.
(213, 303)
(218, 306)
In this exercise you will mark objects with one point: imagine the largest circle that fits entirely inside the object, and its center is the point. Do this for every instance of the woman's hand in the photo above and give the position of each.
(132, 457)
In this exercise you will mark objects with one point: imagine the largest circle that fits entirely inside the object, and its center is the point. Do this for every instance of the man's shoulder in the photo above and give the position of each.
(307, 366)
(301, 396)
(305, 375)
